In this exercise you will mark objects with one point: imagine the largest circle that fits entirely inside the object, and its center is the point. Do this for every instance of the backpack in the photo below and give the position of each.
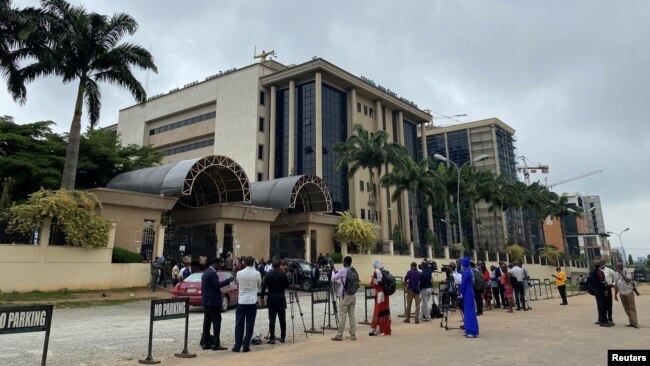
(389, 284)
(478, 282)
(185, 272)
(351, 282)
(435, 311)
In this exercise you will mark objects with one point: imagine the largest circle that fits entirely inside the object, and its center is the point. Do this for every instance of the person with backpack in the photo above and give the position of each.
(467, 290)
(381, 314)
(347, 297)
(426, 290)
(478, 284)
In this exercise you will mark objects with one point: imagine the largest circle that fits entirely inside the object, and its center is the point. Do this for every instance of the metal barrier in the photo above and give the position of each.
(548, 288)
(531, 285)
(400, 280)
(24, 319)
(165, 310)
(368, 294)
(319, 296)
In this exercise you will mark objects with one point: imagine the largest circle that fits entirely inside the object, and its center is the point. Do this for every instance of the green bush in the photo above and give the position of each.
(124, 256)
(337, 257)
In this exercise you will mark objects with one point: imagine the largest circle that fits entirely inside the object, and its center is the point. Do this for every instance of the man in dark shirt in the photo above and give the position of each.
(412, 280)
(211, 299)
(426, 290)
(599, 285)
(277, 282)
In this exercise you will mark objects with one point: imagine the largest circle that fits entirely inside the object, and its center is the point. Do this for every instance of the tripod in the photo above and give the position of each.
(331, 300)
(448, 301)
(293, 298)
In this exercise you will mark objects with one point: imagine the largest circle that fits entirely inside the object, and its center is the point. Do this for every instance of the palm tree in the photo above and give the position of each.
(368, 150)
(21, 35)
(559, 207)
(415, 178)
(474, 186)
(85, 46)
(446, 179)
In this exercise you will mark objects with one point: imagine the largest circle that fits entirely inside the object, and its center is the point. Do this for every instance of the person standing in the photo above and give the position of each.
(211, 300)
(381, 314)
(560, 282)
(597, 282)
(348, 302)
(624, 286)
(412, 280)
(176, 272)
(495, 279)
(249, 281)
(517, 281)
(155, 268)
(610, 278)
(479, 287)
(469, 309)
(507, 285)
(426, 290)
(487, 293)
(277, 282)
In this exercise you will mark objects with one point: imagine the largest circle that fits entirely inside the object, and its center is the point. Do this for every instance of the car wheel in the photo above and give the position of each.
(306, 285)
(225, 303)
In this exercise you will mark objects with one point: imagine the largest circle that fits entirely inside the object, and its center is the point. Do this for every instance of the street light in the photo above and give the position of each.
(621, 241)
(444, 159)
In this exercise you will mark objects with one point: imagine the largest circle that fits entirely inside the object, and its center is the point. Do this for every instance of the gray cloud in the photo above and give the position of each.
(571, 77)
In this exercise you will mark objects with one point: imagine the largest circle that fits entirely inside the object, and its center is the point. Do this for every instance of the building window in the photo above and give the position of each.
(261, 125)
(260, 152)
(365, 110)
(358, 107)
(262, 97)
(260, 177)
(185, 148)
(361, 185)
(182, 123)
(371, 112)
(363, 214)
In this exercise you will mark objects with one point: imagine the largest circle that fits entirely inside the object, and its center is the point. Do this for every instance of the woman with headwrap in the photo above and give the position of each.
(466, 289)
(381, 314)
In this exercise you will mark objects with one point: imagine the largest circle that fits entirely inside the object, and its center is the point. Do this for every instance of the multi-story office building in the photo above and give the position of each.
(461, 143)
(277, 121)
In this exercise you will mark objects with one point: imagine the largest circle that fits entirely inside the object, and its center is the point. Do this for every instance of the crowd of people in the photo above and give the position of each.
(477, 288)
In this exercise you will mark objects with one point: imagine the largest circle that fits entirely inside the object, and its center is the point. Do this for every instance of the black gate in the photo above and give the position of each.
(190, 241)
(148, 238)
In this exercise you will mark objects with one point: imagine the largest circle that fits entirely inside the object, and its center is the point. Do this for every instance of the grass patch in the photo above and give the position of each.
(41, 296)
(89, 303)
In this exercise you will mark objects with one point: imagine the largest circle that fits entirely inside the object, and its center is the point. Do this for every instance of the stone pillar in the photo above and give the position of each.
(412, 249)
(319, 124)
(391, 247)
(446, 249)
(475, 256)
(507, 258)
(406, 227)
(344, 250)
(292, 128)
(307, 239)
(382, 203)
(429, 252)
(498, 257)
(220, 240)
(160, 242)
(272, 127)
(353, 184)
(487, 256)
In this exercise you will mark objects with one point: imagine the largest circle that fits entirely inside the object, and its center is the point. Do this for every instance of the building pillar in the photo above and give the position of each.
(382, 205)
(412, 249)
(406, 212)
(160, 242)
(446, 249)
(475, 256)
(219, 227)
(307, 240)
(391, 247)
(319, 124)
(292, 128)
(429, 252)
(344, 250)
(272, 122)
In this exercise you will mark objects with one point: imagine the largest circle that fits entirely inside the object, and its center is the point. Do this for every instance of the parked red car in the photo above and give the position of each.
(191, 288)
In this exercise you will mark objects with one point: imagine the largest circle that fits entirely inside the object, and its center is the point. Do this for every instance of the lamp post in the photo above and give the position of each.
(621, 241)
(444, 159)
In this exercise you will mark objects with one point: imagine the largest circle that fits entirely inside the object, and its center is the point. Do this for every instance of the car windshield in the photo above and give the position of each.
(194, 277)
(305, 266)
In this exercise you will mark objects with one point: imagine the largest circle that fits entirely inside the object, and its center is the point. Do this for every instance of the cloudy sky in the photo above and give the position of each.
(572, 77)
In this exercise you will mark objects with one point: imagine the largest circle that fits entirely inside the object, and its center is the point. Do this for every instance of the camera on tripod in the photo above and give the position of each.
(427, 264)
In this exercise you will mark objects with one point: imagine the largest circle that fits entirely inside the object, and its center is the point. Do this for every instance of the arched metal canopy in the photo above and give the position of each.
(301, 193)
(197, 182)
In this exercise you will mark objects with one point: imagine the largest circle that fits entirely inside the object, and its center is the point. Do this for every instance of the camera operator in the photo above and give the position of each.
(426, 290)
(458, 278)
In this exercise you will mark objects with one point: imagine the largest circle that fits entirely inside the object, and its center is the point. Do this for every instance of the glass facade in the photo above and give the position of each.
(458, 143)
(182, 123)
(334, 129)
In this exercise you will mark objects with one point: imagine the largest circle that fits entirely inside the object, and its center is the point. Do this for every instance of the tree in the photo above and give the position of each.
(32, 155)
(20, 38)
(351, 230)
(630, 261)
(551, 253)
(415, 178)
(85, 46)
(515, 252)
(368, 150)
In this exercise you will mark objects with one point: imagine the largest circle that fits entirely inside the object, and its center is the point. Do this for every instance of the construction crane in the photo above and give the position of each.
(443, 116)
(573, 178)
(527, 169)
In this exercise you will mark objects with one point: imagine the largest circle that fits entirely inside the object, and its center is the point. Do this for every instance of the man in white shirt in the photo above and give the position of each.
(624, 286)
(610, 277)
(250, 282)
(348, 302)
(520, 296)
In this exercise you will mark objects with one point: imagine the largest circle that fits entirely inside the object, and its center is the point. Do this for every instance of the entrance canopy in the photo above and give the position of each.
(197, 182)
(301, 193)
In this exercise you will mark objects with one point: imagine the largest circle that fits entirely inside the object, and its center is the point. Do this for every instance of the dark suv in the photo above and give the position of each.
(299, 273)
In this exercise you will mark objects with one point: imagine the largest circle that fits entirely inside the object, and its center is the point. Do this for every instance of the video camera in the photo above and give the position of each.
(426, 264)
